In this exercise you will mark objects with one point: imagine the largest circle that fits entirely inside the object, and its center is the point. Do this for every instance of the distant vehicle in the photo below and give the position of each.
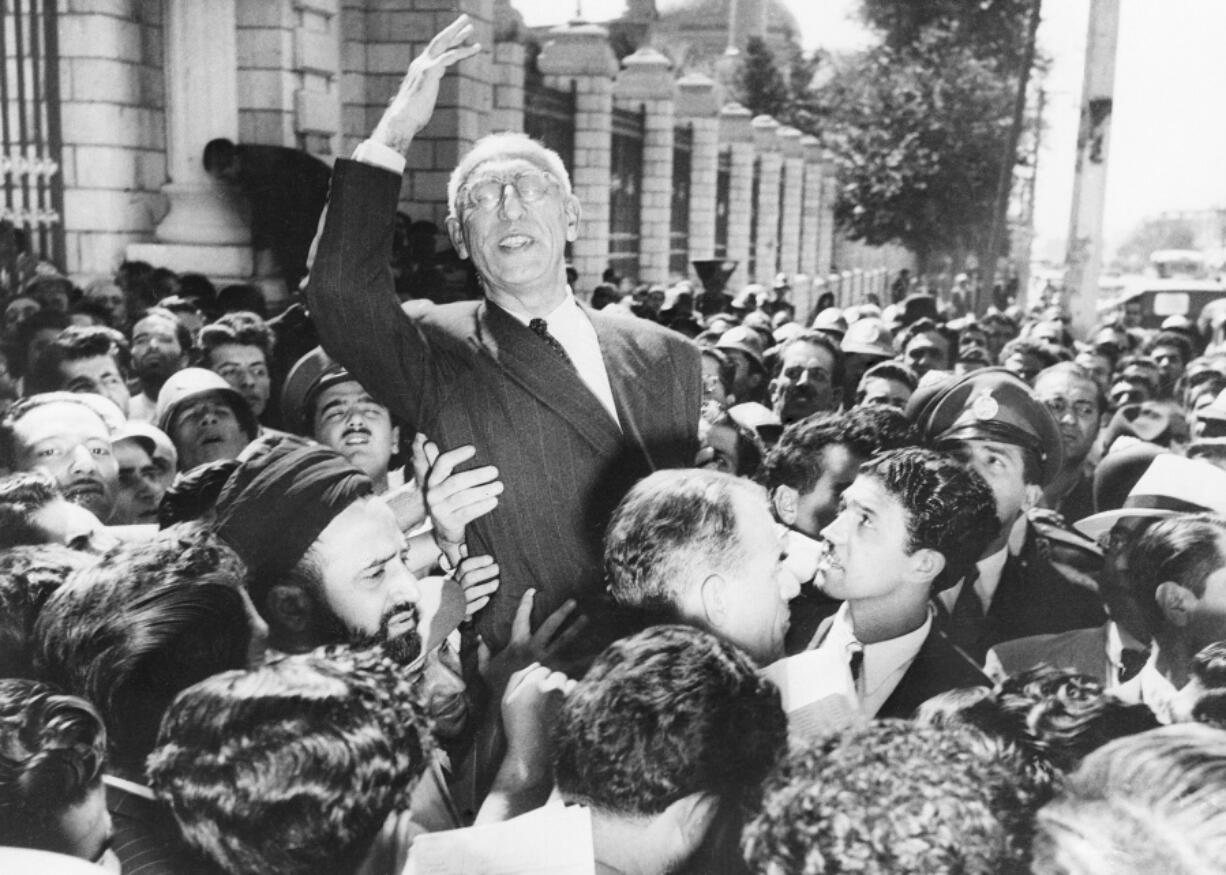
(1145, 303)
(1179, 264)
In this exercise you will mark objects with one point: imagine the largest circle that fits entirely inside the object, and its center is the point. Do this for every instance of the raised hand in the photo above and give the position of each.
(413, 104)
(453, 499)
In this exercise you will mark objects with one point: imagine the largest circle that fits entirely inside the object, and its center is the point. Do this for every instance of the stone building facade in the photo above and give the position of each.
(144, 84)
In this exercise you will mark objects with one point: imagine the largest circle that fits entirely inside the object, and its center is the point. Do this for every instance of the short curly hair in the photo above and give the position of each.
(52, 749)
(1144, 803)
(1048, 718)
(949, 508)
(138, 626)
(891, 797)
(796, 460)
(28, 576)
(663, 714)
(668, 529)
(292, 767)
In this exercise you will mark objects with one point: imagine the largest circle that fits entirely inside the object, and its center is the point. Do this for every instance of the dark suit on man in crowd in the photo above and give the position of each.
(569, 431)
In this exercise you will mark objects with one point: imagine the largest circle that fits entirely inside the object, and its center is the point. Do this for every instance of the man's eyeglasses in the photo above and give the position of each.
(486, 192)
(1060, 406)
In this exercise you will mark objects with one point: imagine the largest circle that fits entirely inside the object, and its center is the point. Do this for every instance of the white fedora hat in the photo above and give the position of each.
(1170, 485)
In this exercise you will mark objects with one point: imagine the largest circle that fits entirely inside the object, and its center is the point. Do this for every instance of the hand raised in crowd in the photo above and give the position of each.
(453, 499)
(530, 707)
(413, 104)
(479, 577)
(526, 647)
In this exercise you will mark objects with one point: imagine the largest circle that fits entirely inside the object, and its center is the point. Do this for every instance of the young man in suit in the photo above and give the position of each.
(572, 407)
(912, 524)
(991, 420)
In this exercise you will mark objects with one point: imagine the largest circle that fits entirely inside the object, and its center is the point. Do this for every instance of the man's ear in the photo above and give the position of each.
(574, 213)
(686, 823)
(714, 600)
(785, 499)
(927, 563)
(395, 438)
(774, 388)
(1176, 602)
(455, 230)
(290, 609)
(1032, 497)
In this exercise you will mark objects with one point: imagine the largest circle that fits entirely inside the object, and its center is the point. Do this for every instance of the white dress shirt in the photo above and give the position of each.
(567, 322)
(990, 569)
(1150, 687)
(885, 662)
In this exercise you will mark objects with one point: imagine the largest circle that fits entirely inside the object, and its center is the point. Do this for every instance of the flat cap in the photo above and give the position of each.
(309, 376)
(745, 340)
(988, 404)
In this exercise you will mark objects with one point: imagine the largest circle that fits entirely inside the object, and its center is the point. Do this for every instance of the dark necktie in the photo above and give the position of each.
(966, 619)
(1132, 660)
(541, 328)
(855, 662)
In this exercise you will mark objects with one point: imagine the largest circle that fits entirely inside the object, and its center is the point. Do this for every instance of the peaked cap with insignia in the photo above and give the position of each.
(988, 404)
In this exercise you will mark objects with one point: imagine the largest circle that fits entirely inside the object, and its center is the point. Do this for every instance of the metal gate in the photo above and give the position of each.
(31, 212)
(752, 272)
(625, 196)
(549, 116)
(679, 229)
(723, 193)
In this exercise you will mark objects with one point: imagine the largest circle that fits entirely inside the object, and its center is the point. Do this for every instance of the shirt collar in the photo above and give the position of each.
(567, 309)
(129, 786)
(882, 659)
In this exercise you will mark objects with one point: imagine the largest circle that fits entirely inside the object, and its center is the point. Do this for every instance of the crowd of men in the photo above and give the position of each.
(685, 585)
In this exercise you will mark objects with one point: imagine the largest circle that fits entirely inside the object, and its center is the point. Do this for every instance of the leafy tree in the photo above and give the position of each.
(760, 87)
(917, 134)
(923, 127)
(989, 28)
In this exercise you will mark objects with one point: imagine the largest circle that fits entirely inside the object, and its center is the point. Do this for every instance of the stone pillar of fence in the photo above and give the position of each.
(203, 230)
(112, 104)
(811, 205)
(792, 201)
(825, 237)
(580, 54)
(736, 130)
(646, 80)
(508, 74)
(766, 144)
(697, 104)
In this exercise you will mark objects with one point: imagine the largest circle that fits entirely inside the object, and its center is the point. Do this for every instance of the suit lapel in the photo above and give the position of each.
(623, 361)
(939, 666)
(535, 367)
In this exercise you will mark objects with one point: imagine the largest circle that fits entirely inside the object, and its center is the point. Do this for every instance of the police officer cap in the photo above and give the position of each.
(309, 376)
(988, 404)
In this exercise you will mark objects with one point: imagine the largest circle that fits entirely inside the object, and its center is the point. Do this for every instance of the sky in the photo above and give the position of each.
(1166, 137)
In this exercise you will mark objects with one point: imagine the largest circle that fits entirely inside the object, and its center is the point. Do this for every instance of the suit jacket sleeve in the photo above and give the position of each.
(353, 300)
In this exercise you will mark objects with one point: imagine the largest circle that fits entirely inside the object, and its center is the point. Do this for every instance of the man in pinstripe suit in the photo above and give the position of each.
(569, 406)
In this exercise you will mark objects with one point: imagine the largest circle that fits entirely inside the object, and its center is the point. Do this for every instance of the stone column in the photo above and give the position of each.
(579, 53)
(811, 205)
(736, 130)
(204, 230)
(645, 81)
(770, 165)
(696, 104)
(793, 195)
(508, 72)
(825, 239)
(113, 158)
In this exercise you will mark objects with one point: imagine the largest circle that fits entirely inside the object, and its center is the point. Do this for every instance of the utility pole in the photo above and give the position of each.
(1085, 244)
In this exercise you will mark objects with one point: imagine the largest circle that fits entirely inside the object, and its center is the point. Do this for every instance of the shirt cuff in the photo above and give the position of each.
(370, 152)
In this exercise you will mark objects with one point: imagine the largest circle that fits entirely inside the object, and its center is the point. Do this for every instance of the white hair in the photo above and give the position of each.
(500, 147)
